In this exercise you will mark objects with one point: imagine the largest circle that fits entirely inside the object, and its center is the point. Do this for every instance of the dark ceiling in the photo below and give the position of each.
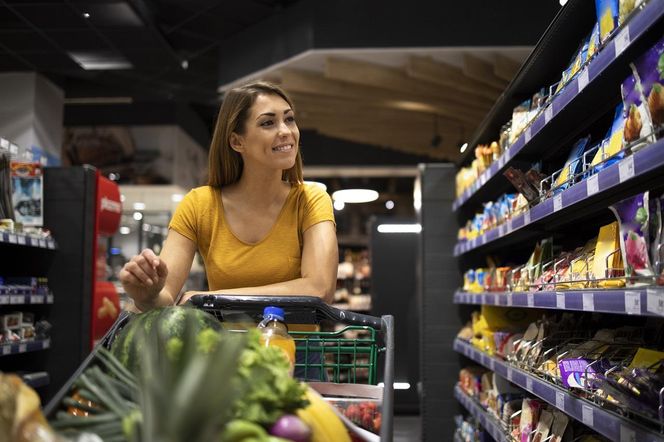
(171, 44)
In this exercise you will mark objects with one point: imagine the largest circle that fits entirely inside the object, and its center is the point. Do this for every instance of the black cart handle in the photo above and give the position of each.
(322, 309)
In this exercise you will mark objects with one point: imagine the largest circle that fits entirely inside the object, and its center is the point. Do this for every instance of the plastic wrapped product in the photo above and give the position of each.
(625, 9)
(632, 214)
(607, 16)
(612, 143)
(572, 165)
(607, 243)
(593, 41)
(637, 119)
(649, 70)
(530, 410)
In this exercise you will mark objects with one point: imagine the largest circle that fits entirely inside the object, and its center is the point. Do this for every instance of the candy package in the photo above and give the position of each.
(637, 119)
(632, 214)
(607, 17)
(649, 69)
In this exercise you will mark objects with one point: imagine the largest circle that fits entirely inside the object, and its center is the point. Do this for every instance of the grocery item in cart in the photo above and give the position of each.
(274, 333)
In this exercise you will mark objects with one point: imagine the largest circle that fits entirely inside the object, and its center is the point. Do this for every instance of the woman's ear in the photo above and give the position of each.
(236, 142)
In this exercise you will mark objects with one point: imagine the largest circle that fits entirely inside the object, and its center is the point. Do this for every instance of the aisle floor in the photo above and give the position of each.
(407, 428)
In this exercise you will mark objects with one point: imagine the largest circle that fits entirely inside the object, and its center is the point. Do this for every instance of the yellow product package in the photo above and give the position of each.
(608, 242)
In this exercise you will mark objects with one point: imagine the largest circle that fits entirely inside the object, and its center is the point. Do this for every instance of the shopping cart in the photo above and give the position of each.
(346, 356)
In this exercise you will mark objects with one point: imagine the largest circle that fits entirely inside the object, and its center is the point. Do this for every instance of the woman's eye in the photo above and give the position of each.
(266, 123)
(290, 119)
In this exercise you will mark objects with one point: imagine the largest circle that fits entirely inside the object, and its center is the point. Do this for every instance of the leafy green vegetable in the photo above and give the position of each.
(269, 390)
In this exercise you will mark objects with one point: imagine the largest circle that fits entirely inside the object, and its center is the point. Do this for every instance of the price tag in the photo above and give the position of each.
(592, 185)
(49, 299)
(496, 300)
(626, 168)
(526, 218)
(483, 239)
(508, 154)
(548, 114)
(588, 302)
(4, 300)
(4, 143)
(7, 349)
(37, 299)
(627, 434)
(12, 239)
(622, 40)
(509, 300)
(529, 384)
(501, 161)
(46, 344)
(633, 303)
(484, 178)
(21, 239)
(528, 134)
(560, 400)
(16, 299)
(501, 230)
(655, 302)
(22, 348)
(509, 226)
(557, 202)
(583, 79)
(42, 243)
(492, 364)
(587, 415)
(510, 374)
(531, 299)
(51, 245)
(560, 301)
(13, 148)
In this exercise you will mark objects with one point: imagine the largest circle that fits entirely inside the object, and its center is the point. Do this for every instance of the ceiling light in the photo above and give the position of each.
(177, 197)
(124, 230)
(463, 148)
(389, 204)
(139, 206)
(92, 61)
(316, 183)
(399, 228)
(563, 2)
(138, 216)
(86, 15)
(147, 227)
(98, 100)
(355, 195)
(397, 385)
(339, 205)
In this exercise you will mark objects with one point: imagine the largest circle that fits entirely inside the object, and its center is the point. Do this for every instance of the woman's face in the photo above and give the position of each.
(270, 136)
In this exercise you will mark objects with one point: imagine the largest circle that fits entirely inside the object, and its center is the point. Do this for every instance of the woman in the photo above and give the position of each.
(259, 229)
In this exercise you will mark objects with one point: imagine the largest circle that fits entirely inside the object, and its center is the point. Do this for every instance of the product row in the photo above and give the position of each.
(627, 252)
(620, 369)
(520, 416)
(17, 327)
(611, 14)
(638, 121)
(12, 285)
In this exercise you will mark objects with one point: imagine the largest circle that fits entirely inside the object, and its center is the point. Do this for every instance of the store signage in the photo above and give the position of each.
(109, 207)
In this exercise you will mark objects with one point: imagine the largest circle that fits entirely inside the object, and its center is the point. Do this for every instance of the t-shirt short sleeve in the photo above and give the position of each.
(317, 207)
(185, 219)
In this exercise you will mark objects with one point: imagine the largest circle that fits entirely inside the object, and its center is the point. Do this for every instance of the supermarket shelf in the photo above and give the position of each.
(604, 185)
(24, 347)
(607, 423)
(488, 422)
(20, 239)
(637, 301)
(37, 379)
(605, 69)
(31, 299)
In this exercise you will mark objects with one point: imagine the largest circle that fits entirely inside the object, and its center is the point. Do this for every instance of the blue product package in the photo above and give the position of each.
(572, 165)
(607, 17)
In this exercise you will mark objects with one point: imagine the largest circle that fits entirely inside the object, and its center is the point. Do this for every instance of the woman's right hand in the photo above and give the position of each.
(143, 277)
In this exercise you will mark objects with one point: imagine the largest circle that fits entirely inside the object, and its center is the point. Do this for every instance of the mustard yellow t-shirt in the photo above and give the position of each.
(232, 263)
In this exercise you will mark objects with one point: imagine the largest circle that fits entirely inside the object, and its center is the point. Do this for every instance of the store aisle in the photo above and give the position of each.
(407, 428)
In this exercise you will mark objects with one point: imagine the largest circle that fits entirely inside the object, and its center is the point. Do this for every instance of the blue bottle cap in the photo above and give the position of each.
(274, 312)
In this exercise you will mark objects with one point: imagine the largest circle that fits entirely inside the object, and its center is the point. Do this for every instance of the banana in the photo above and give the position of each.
(324, 423)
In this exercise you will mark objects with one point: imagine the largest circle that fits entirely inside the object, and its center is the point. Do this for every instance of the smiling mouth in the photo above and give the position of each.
(284, 148)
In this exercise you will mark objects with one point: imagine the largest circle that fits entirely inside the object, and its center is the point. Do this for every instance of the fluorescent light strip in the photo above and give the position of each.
(399, 228)
(398, 385)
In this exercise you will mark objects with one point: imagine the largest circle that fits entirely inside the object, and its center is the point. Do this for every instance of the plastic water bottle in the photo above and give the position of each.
(274, 332)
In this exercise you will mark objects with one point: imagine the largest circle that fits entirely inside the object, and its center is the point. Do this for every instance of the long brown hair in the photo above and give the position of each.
(225, 164)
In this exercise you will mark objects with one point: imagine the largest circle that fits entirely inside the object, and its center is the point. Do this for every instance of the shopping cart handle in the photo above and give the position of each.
(255, 302)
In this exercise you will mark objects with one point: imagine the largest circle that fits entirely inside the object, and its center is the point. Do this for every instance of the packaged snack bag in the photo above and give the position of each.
(632, 214)
(607, 17)
(637, 118)
(572, 165)
(612, 143)
(593, 42)
(519, 120)
(649, 70)
(625, 8)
